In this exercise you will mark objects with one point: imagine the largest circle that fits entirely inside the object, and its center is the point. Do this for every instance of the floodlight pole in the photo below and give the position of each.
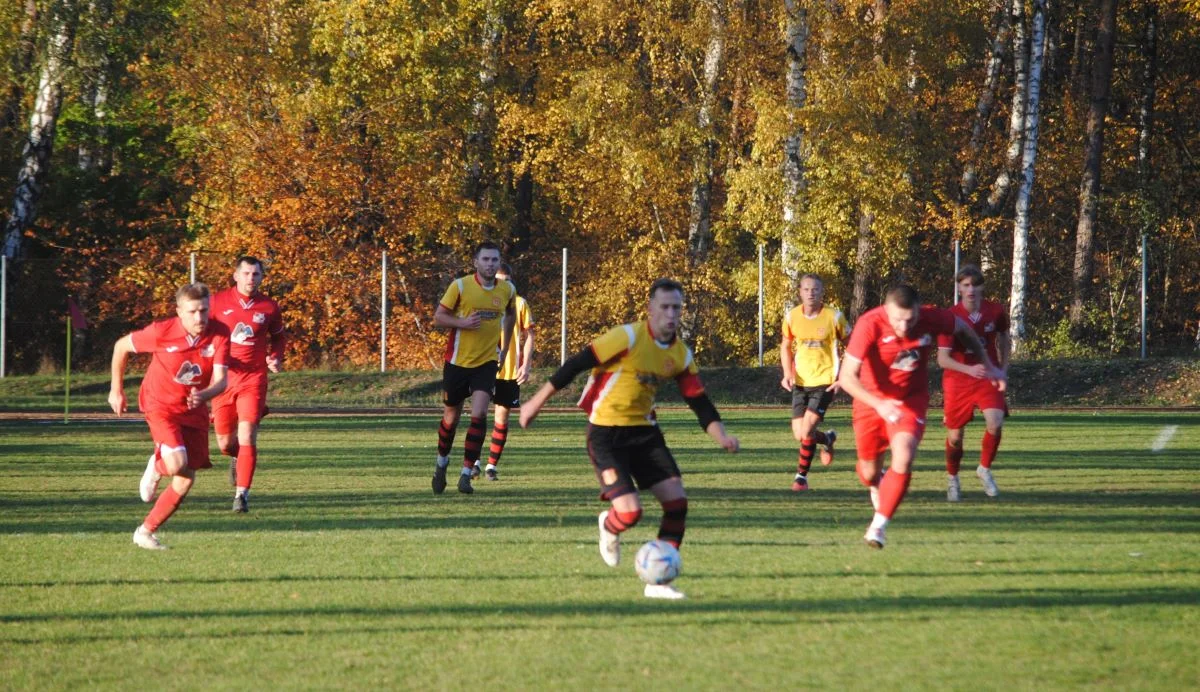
(1145, 281)
(3, 310)
(192, 262)
(957, 266)
(760, 305)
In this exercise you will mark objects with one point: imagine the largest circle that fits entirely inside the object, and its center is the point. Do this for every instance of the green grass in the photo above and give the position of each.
(349, 573)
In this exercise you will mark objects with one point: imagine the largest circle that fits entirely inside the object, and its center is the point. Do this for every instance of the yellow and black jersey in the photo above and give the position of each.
(815, 344)
(524, 322)
(470, 348)
(621, 389)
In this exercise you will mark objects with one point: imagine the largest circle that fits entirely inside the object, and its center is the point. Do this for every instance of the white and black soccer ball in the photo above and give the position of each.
(657, 562)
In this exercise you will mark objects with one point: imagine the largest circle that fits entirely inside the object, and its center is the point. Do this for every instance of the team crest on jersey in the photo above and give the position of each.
(907, 360)
(242, 334)
(495, 301)
(189, 373)
(260, 317)
(821, 333)
(989, 327)
(668, 365)
(208, 351)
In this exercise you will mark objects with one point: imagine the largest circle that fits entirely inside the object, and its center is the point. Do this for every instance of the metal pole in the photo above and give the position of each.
(957, 266)
(193, 263)
(383, 315)
(760, 305)
(3, 311)
(1145, 280)
(563, 327)
(67, 388)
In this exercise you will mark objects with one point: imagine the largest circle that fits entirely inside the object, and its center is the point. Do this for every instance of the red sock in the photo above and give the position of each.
(991, 443)
(166, 505)
(807, 449)
(954, 455)
(473, 443)
(892, 490)
(674, 521)
(499, 437)
(618, 522)
(247, 459)
(445, 437)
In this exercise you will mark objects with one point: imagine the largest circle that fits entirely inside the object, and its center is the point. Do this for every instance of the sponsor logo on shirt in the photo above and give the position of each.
(486, 315)
(189, 373)
(242, 334)
(907, 360)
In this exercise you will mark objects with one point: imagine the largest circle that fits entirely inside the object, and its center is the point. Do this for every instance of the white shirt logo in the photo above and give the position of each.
(228, 312)
(188, 373)
(242, 334)
(172, 349)
(887, 339)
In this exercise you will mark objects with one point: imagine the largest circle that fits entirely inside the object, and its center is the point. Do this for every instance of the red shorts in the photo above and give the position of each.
(244, 399)
(873, 435)
(167, 432)
(964, 396)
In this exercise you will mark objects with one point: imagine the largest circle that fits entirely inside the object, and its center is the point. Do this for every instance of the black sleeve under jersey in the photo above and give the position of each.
(703, 407)
(580, 362)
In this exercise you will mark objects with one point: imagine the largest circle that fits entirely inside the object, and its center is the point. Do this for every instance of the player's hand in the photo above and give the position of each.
(193, 399)
(999, 378)
(528, 413)
(116, 400)
(890, 411)
(835, 387)
(523, 373)
(978, 371)
(729, 443)
(274, 364)
(788, 382)
(471, 321)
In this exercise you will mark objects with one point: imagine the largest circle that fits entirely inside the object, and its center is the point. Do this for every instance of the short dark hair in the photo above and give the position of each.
(247, 259)
(812, 276)
(665, 284)
(903, 296)
(506, 269)
(969, 271)
(196, 291)
(485, 245)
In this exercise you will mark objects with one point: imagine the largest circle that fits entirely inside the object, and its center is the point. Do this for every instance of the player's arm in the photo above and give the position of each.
(888, 409)
(785, 359)
(967, 336)
(216, 385)
(442, 317)
(116, 390)
(580, 362)
(506, 331)
(946, 362)
(1003, 351)
(526, 355)
(278, 342)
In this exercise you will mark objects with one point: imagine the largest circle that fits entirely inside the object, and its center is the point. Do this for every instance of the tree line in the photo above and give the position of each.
(857, 139)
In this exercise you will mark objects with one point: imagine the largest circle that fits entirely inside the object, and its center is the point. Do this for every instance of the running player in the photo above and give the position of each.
(808, 352)
(257, 339)
(187, 369)
(965, 385)
(886, 371)
(514, 372)
(479, 311)
(625, 444)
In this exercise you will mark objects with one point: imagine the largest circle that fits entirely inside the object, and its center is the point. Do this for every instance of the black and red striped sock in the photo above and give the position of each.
(499, 437)
(807, 449)
(619, 522)
(473, 443)
(446, 437)
(674, 521)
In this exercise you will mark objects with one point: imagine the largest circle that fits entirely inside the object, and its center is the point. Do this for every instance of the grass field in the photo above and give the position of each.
(349, 572)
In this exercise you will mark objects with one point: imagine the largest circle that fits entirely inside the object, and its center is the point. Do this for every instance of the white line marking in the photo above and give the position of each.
(1164, 436)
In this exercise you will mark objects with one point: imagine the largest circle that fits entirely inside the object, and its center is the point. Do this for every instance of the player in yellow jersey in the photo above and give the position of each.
(479, 311)
(626, 447)
(812, 335)
(514, 372)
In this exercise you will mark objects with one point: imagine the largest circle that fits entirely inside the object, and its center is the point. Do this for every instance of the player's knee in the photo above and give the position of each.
(866, 472)
(174, 462)
(624, 521)
(229, 446)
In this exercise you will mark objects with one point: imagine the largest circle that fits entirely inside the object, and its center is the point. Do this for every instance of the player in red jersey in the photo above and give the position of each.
(189, 352)
(965, 384)
(886, 371)
(256, 339)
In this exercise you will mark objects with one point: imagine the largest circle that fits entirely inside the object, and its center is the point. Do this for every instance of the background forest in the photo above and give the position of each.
(857, 139)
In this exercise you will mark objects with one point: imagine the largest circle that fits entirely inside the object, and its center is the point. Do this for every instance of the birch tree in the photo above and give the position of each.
(35, 156)
(22, 63)
(1022, 219)
(700, 210)
(480, 136)
(1016, 117)
(987, 100)
(98, 56)
(797, 29)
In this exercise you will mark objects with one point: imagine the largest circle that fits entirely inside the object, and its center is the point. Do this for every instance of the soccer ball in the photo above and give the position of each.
(657, 562)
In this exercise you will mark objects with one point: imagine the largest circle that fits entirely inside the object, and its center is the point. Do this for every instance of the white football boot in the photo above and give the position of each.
(876, 536)
(144, 539)
(989, 483)
(953, 490)
(148, 488)
(663, 591)
(610, 543)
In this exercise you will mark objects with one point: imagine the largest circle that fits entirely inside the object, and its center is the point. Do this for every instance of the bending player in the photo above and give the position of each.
(964, 382)
(626, 446)
(189, 352)
(809, 355)
(257, 339)
(479, 312)
(886, 371)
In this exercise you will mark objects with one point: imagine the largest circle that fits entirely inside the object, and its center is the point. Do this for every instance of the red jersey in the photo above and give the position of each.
(179, 364)
(255, 329)
(992, 319)
(894, 367)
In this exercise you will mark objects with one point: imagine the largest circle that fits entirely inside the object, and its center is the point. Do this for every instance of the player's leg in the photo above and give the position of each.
(481, 400)
(894, 484)
(994, 419)
(455, 389)
(225, 425)
(659, 471)
(954, 455)
(870, 440)
(802, 428)
(609, 456)
(499, 438)
(185, 450)
(247, 463)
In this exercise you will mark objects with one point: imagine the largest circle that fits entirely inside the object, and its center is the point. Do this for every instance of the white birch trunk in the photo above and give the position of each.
(1016, 117)
(92, 150)
(987, 101)
(700, 212)
(1146, 106)
(479, 138)
(35, 157)
(1022, 219)
(794, 183)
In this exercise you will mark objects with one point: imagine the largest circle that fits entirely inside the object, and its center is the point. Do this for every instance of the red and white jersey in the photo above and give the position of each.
(255, 329)
(180, 363)
(895, 367)
(990, 321)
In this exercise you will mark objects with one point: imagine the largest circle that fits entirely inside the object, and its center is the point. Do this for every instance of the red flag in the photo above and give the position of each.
(78, 321)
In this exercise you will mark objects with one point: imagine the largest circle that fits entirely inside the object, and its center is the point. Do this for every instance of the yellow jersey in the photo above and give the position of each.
(470, 348)
(620, 391)
(815, 344)
(524, 322)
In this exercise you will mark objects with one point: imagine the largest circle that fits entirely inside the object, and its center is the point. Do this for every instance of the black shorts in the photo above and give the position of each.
(815, 399)
(458, 383)
(622, 455)
(508, 394)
